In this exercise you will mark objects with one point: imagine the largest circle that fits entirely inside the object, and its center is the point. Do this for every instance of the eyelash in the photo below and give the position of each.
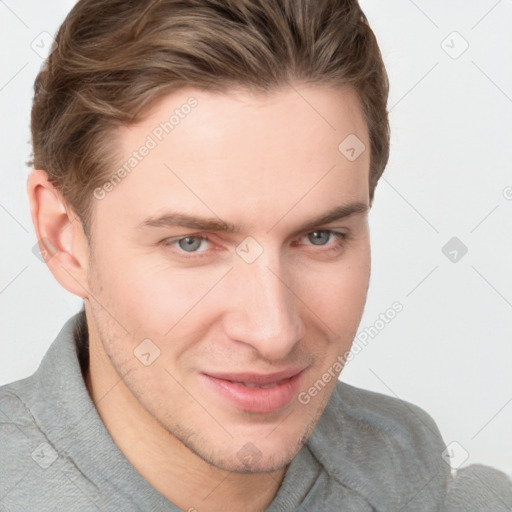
(341, 239)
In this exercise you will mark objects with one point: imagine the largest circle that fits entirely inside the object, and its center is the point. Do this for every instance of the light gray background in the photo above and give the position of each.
(449, 350)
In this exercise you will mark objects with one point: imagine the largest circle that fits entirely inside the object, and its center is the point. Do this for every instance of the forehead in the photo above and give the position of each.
(224, 152)
(278, 121)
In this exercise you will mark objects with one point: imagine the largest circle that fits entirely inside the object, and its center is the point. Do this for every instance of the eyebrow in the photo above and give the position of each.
(175, 219)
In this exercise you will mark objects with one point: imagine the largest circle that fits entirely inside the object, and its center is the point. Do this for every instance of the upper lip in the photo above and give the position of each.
(257, 379)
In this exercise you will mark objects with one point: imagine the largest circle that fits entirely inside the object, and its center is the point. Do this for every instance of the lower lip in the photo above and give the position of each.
(261, 400)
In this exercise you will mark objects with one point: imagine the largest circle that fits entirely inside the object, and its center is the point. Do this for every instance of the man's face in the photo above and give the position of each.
(184, 312)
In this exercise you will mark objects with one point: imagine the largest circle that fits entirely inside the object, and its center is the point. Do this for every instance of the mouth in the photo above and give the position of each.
(256, 393)
(263, 386)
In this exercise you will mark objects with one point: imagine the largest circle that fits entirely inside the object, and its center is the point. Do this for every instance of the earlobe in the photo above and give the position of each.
(59, 232)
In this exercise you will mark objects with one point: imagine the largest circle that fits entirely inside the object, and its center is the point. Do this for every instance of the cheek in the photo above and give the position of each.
(155, 299)
(336, 293)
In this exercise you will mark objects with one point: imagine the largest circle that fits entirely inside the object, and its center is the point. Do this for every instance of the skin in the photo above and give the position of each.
(267, 164)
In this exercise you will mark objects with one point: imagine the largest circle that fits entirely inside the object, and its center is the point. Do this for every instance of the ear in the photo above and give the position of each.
(60, 234)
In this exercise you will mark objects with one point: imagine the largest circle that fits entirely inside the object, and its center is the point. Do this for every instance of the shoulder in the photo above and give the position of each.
(388, 450)
(479, 487)
(16, 420)
(400, 431)
(393, 416)
(34, 474)
(19, 438)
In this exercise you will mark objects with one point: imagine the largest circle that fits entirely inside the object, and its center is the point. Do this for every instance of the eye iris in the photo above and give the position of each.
(319, 237)
(190, 244)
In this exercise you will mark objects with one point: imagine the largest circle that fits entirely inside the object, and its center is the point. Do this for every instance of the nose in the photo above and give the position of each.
(264, 308)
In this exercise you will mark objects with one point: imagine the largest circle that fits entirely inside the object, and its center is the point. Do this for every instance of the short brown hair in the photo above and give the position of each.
(114, 58)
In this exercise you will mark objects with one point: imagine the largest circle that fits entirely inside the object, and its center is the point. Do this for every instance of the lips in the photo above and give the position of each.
(251, 392)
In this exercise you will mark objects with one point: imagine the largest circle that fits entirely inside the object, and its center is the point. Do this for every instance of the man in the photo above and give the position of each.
(203, 173)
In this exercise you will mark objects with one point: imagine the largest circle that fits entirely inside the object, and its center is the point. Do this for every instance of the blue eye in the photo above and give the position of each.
(189, 244)
(322, 237)
(319, 237)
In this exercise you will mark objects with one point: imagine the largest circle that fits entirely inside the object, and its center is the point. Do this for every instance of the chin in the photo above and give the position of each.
(257, 463)
(239, 455)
